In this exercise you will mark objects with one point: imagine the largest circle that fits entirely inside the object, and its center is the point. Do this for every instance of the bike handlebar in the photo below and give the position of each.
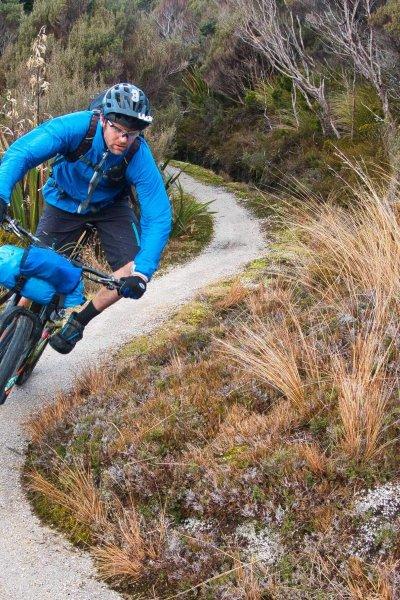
(101, 278)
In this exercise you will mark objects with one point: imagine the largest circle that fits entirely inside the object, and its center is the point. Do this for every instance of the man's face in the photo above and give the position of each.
(117, 137)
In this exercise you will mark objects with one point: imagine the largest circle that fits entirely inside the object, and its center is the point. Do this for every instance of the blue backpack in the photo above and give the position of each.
(41, 273)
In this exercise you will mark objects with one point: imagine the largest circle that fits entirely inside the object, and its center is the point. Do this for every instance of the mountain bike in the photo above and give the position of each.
(25, 331)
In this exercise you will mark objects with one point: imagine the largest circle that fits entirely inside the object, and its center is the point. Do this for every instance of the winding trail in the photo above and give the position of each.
(36, 562)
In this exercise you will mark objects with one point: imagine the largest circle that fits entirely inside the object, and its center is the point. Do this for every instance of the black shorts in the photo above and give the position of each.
(116, 225)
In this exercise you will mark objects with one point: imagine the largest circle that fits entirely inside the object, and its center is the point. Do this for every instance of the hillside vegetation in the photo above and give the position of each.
(249, 448)
(263, 91)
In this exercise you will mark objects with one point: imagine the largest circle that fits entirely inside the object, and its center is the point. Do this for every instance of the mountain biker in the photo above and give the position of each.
(94, 189)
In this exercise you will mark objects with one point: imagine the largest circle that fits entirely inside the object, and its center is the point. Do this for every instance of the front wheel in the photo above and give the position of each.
(31, 361)
(13, 345)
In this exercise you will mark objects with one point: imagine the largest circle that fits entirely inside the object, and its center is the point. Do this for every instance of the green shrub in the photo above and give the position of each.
(358, 112)
(186, 210)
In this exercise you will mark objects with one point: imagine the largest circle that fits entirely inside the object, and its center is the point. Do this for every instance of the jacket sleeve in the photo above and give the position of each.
(57, 136)
(155, 209)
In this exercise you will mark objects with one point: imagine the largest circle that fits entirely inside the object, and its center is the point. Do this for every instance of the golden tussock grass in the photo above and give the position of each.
(380, 586)
(75, 491)
(126, 559)
(314, 457)
(346, 251)
(364, 388)
(123, 561)
(342, 258)
(41, 423)
(323, 518)
(237, 293)
(120, 559)
(119, 564)
(274, 351)
(258, 301)
(92, 381)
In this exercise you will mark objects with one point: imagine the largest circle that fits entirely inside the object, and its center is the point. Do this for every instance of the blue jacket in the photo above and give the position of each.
(64, 134)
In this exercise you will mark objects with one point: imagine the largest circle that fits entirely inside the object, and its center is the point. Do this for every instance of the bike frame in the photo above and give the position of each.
(46, 318)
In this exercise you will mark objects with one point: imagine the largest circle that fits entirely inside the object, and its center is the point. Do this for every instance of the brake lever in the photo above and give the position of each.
(9, 224)
(12, 225)
(110, 285)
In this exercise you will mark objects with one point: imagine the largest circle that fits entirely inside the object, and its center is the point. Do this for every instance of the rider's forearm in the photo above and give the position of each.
(104, 297)
(155, 209)
(153, 239)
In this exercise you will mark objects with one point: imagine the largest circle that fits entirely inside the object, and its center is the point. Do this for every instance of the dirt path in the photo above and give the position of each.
(35, 562)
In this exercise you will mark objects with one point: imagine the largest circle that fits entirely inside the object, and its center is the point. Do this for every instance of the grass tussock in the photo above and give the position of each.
(364, 391)
(118, 562)
(380, 587)
(227, 454)
(93, 381)
(272, 352)
(77, 493)
(343, 252)
(315, 458)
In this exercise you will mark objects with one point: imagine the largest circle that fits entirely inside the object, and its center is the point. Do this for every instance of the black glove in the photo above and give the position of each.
(133, 286)
(3, 210)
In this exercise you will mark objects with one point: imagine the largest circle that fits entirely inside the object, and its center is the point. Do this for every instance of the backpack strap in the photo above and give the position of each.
(133, 148)
(115, 174)
(87, 141)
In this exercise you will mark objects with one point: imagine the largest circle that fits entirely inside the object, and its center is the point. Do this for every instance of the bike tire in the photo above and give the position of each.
(31, 362)
(14, 346)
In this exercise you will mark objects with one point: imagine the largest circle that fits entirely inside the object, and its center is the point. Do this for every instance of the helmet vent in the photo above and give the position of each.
(128, 100)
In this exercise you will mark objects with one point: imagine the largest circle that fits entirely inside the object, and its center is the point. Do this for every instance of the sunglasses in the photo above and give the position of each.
(124, 134)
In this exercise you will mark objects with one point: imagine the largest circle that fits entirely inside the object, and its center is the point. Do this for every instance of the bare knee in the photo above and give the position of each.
(24, 302)
(124, 271)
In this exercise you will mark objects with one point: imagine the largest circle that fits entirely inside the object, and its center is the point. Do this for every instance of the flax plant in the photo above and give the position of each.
(186, 211)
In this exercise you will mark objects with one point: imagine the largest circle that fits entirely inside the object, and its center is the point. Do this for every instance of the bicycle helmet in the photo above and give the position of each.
(126, 104)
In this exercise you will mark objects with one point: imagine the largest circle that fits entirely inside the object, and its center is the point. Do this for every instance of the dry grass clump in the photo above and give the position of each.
(276, 350)
(237, 294)
(120, 547)
(345, 262)
(118, 562)
(92, 381)
(364, 389)
(381, 586)
(316, 460)
(342, 252)
(75, 491)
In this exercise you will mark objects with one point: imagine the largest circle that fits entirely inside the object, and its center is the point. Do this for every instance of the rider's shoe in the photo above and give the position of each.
(65, 339)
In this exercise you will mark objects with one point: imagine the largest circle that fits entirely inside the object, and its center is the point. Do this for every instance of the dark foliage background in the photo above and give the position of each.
(217, 100)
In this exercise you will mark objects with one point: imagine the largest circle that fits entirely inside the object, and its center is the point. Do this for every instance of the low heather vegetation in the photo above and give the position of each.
(249, 448)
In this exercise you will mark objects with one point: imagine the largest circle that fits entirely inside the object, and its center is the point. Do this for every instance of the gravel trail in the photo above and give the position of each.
(36, 562)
